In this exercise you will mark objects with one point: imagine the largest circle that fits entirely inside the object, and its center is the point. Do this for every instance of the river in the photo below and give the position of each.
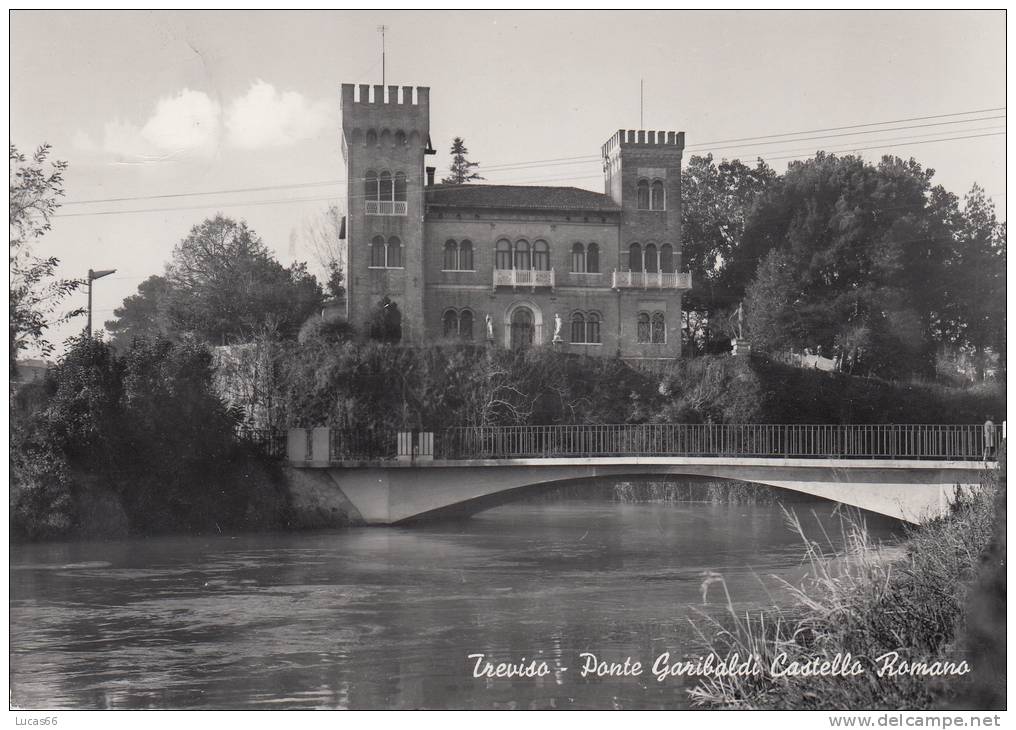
(385, 617)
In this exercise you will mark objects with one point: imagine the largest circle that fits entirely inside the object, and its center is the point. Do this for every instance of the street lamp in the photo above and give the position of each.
(92, 276)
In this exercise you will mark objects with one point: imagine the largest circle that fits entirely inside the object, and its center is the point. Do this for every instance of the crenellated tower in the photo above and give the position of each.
(385, 136)
(642, 174)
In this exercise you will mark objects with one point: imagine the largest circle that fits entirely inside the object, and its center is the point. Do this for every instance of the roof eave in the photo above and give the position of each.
(561, 208)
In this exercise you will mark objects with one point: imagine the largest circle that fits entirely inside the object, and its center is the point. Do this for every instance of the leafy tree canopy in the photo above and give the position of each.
(870, 265)
(222, 285)
(36, 184)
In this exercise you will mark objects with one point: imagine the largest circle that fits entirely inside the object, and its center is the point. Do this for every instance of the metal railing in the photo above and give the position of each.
(361, 445)
(650, 280)
(269, 441)
(959, 442)
(523, 277)
(385, 207)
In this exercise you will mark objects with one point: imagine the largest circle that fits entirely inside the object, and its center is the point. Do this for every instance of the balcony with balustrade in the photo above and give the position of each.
(532, 278)
(651, 280)
(385, 207)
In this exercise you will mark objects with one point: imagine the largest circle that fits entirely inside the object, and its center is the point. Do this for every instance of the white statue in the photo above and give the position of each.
(739, 316)
(557, 327)
(490, 327)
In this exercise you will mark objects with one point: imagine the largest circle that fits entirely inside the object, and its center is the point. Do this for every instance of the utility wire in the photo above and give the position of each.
(566, 160)
(897, 142)
(282, 201)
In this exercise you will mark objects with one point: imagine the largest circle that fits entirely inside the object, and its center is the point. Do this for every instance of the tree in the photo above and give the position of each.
(224, 284)
(326, 236)
(385, 322)
(974, 308)
(862, 248)
(143, 314)
(461, 169)
(35, 186)
(769, 304)
(715, 203)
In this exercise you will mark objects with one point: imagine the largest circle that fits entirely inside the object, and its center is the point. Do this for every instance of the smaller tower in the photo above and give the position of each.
(385, 135)
(642, 174)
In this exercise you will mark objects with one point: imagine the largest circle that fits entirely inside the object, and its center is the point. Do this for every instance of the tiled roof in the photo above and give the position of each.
(542, 197)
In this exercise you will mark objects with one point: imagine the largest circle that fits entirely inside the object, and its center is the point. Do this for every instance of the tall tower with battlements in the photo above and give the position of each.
(385, 135)
(642, 175)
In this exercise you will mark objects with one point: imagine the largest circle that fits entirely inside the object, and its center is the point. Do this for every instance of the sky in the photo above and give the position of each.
(174, 107)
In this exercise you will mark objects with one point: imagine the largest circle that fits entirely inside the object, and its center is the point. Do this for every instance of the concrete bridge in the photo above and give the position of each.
(910, 472)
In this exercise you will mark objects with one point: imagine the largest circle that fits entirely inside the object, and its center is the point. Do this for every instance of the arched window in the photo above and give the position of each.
(394, 253)
(377, 252)
(659, 329)
(451, 323)
(370, 185)
(451, 255)
(593, 259)
(593, 328)
(644, 333)
(466, 256)
(635, 258)
(667, 258)
(503, 255)
(522, 261)
(659, 197)
(652, 262)
(466, 324)
(371, 138)
(578, 327)
(541, 256)
(643, 195)
(385, 186)
(400, 187)
(578, 258)
(400, 138)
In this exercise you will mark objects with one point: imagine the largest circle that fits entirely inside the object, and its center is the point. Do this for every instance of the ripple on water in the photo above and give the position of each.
(385, 618)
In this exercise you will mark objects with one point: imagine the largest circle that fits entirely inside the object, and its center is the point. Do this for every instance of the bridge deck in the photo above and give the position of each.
(969, 442)
(835, 463)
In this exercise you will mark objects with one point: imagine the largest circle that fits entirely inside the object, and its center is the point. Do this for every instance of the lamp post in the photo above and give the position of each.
(92, 276)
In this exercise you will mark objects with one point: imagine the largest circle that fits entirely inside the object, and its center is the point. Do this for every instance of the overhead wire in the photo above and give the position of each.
(551, 162)
(359, 196)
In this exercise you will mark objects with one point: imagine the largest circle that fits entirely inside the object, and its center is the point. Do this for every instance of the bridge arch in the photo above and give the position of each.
(912, 491)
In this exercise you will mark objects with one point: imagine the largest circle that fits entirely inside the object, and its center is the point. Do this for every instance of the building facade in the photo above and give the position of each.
(514, 266)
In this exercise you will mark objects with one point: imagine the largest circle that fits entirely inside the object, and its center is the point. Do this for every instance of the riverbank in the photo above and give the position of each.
(145, 441)
(939, 602)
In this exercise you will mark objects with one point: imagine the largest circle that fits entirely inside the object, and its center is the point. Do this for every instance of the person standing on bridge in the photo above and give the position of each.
(989, 438)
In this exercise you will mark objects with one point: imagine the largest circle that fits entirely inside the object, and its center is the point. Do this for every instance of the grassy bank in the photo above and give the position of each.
(927, 606)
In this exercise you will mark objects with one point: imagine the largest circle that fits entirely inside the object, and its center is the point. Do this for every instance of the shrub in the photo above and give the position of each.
(863, 604)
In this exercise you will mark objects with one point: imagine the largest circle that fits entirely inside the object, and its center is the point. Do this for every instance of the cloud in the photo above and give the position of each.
(185, 123)
(190, 123)
(265, 117)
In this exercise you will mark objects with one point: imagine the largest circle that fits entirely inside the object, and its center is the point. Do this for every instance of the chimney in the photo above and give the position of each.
(430, 176)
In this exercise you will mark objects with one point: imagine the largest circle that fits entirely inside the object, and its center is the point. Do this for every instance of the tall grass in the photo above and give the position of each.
(858, 601)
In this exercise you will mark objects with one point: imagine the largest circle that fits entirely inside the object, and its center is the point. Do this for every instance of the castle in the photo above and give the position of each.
(516, 266)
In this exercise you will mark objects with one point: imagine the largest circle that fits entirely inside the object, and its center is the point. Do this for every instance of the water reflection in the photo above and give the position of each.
(385, 618)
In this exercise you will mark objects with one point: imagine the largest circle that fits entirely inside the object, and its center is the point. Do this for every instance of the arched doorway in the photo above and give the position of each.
(523, 326)
(522, 329)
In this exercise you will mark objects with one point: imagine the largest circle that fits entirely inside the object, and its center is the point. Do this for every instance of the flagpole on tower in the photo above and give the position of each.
(381, 30)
